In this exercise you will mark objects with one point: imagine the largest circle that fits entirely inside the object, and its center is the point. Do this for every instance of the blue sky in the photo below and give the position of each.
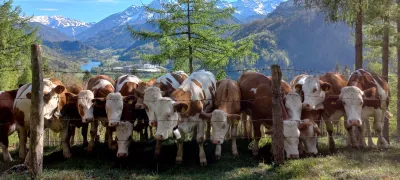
(83, 10)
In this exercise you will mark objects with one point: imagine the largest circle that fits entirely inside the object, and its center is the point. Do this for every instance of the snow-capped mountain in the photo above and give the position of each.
(245, 10)
(67, 26)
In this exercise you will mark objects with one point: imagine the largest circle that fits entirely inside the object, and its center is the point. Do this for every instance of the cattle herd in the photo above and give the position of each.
(179, 104)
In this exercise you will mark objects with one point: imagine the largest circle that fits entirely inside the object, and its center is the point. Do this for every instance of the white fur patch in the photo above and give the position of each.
(130, 78)
(254, 90)
(101, 83)
(163, 79)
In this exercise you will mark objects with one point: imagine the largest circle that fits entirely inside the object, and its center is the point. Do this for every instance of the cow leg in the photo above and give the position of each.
(350, 133)
(361, 138)
(194, 133)
(84, 131)
(368, 131)
(378, 126)
(301, 147)
(233, 136)
(244, 121)
(93, 135)
(151, 132)
(72, 136)
(257, 137)
(146, 133)
(4, 145)
(111, 143)
(179, 154)
(158, 148)
(331, 141)
(208, 132)
(22, 142)
(66, 134)
(200, 142)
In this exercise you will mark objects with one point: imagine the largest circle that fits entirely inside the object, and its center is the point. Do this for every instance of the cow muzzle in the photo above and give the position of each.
(293, 156)
(113, 124)
(122, 155)
(308, 107)
(216, 142)
(139, 106)
(354, 122)
(159, 137)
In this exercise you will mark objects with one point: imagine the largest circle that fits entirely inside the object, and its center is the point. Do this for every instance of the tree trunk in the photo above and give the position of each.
(37, 119)
(277, 135)
(359, 38)
(398, 76)
(385, 68)
(189, 38)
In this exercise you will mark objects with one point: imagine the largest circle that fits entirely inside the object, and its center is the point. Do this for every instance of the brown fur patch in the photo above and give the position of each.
(75, 89)
(182, 97)
(179, 78)
(198, 84)
(227, 96)
(128, 88)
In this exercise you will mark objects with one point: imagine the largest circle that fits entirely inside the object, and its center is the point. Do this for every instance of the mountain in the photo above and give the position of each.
(68, 26)
(246, 10)
(46, 33)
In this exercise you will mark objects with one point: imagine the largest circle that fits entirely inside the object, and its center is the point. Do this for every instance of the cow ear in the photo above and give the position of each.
(234, 116)
(370, 92)
(29, 95)
(59, 89)
(151, 82)
(71, 98)
(325, 86)
(206, 116)
(298, 88)
(98, 101)
(180, 108)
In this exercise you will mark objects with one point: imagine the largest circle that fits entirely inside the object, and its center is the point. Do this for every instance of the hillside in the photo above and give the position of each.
(74, 50)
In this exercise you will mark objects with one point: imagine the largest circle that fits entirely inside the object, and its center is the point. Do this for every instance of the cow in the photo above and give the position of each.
(52, 99)
(7, 122)
(124, 138)
(98, 88)
(366, 95)
(226, 115)
(170, 81)
(256, 90)
(317, 93)
(180, 112)
(72, 112)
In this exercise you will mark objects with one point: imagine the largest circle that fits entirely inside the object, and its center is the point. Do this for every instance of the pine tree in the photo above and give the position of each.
(16, 36)
(193, 33)
(350, 11)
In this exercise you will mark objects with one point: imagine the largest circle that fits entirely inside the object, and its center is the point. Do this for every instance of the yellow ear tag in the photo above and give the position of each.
(183, 110)
(130, 101)
(236, 121)
(333, 102)
(326, 89)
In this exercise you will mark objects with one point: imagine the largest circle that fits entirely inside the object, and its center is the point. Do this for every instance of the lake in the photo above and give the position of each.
(91, 64)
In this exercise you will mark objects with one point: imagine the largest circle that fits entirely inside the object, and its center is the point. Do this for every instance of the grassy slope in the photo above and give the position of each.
(347, 164)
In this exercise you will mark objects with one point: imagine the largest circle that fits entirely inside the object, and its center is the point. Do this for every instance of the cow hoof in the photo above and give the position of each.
(203, 162)
(67, 155)
(179, 161)
(235, 155)
(217, 157)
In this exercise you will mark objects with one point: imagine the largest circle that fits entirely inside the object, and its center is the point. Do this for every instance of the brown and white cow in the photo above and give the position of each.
(124, 138)
(181, 112)
(317, 95)
(366, 95)
(7, 122)
(100, 86)
(170, 81)
(52, 100)
(256, 90)
(226, 115)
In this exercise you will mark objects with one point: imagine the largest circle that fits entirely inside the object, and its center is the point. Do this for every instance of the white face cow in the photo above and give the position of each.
(114, 107)
(167, 117)
(308, 134)
(220, 124)
(352, 100)
(85, 105)
(314, 92)
(150, 97)
(124, 136)
(293, 105)
(291, 142)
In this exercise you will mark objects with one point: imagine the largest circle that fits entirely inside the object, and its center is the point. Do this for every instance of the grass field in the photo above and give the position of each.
(102, 164)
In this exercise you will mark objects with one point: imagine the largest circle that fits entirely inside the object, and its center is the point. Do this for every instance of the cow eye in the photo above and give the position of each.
(314, 90)
(344, 103)
(361, 103)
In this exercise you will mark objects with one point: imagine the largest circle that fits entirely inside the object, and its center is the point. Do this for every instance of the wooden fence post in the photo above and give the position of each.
(277, 136)
(37, 121)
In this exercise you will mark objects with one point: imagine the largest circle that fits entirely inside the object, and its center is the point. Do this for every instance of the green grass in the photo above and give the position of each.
(102, 164)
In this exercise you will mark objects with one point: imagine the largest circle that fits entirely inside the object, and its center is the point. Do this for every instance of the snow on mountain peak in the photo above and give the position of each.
(68, 26)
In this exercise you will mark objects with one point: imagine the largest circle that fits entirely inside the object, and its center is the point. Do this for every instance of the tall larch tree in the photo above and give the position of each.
(195, 34)
(16, 36)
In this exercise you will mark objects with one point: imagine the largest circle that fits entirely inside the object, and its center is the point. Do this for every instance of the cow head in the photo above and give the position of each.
(85, 105)
(150, 97)
(220, 121)
(308, 134)
(293, 105)
(352, 99)
(114, 107)
(139, 92)
(314, 91)
(124, 136)
(167, 117)
(291, 134)
(50, 98)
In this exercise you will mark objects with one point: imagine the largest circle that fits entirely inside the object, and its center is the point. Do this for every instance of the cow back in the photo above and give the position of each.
(227, 97)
